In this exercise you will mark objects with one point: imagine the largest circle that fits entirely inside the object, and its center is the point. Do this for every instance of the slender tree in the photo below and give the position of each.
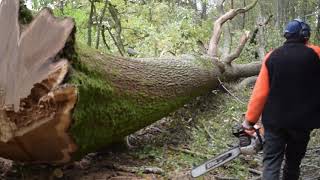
(90, 22)
(102, 15)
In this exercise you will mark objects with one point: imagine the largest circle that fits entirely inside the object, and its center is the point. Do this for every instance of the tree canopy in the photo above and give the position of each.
(156, 28)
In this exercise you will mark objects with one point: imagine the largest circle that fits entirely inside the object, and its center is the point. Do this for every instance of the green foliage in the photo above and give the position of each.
(153, 28)
(25, 15)
(38, 4)
(80, 17)
(175, 32)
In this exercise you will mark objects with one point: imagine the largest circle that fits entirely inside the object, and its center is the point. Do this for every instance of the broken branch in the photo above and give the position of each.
(217, 30)
(239, 49)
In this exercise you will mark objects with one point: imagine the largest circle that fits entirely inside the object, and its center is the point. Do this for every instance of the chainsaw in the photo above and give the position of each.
(248, 145)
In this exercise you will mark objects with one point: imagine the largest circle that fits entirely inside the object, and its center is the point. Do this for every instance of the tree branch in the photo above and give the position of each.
(237, 52)
(90, 23)
(100, 23)
(235, 71)
(118, 27)
(104, 37)
(114, 40)
(217, 31)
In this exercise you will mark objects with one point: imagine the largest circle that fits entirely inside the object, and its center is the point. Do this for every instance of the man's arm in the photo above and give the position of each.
(259, 95)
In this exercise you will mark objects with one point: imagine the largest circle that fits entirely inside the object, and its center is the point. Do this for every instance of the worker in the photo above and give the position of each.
(287, 97)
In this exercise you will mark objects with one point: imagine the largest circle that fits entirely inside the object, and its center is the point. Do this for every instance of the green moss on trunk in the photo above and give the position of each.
(105, 114)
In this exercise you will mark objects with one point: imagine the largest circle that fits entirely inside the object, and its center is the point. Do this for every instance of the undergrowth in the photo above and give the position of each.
(204, 128)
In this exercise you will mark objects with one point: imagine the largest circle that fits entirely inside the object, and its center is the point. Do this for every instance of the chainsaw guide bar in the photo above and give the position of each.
(216, 162)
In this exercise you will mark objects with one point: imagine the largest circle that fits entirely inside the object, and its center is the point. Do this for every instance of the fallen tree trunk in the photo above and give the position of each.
(58, 103)
(118, 96)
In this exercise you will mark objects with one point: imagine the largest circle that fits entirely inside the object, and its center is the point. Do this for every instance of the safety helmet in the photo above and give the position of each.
(297, 29)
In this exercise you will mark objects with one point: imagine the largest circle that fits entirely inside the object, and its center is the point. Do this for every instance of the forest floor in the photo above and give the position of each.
(170, 148)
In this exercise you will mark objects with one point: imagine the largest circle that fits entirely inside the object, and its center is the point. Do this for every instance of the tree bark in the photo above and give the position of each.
(204, 9)
(318, 24)
(303, 10)
(90, 23)
(99, 29)
(58, 102)
(118, 27)
(244, 16)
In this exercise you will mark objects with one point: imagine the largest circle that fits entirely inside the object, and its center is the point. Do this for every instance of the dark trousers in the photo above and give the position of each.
(280, 143)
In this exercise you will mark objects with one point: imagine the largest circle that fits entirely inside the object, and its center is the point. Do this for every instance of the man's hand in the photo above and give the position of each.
(248, 128)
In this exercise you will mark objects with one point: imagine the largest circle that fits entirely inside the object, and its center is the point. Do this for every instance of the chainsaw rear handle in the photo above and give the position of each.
(248, 144)
(259, 136)
(239, 132)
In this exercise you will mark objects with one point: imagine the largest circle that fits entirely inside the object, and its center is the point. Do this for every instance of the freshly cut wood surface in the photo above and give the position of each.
(34, 107)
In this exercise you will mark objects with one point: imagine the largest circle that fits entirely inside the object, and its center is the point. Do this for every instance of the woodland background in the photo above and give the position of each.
(157, 28)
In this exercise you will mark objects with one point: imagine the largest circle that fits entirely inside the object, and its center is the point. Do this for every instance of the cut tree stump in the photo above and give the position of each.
(59, 102)
(31, 76)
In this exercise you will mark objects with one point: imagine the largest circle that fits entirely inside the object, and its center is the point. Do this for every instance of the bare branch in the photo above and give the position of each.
(114, 39)
(103, 12)
(217, 31)
(104, 37)
(239, 49)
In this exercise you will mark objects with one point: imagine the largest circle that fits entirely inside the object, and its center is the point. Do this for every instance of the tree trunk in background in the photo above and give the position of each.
(285, 12)
(244, 16)
(103, 12)
(279, 13)
(90, 23)
(118, 27)
(292, 11)
(303, 10)
(318, 24)
(204, 6)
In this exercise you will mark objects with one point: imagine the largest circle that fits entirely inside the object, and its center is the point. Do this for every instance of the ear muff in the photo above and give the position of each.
(305, 29)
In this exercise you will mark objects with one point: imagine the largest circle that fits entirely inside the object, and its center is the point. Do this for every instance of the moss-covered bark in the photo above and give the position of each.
(109, 109)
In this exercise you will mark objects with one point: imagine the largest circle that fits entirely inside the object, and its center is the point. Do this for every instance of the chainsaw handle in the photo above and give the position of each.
(258, 135)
